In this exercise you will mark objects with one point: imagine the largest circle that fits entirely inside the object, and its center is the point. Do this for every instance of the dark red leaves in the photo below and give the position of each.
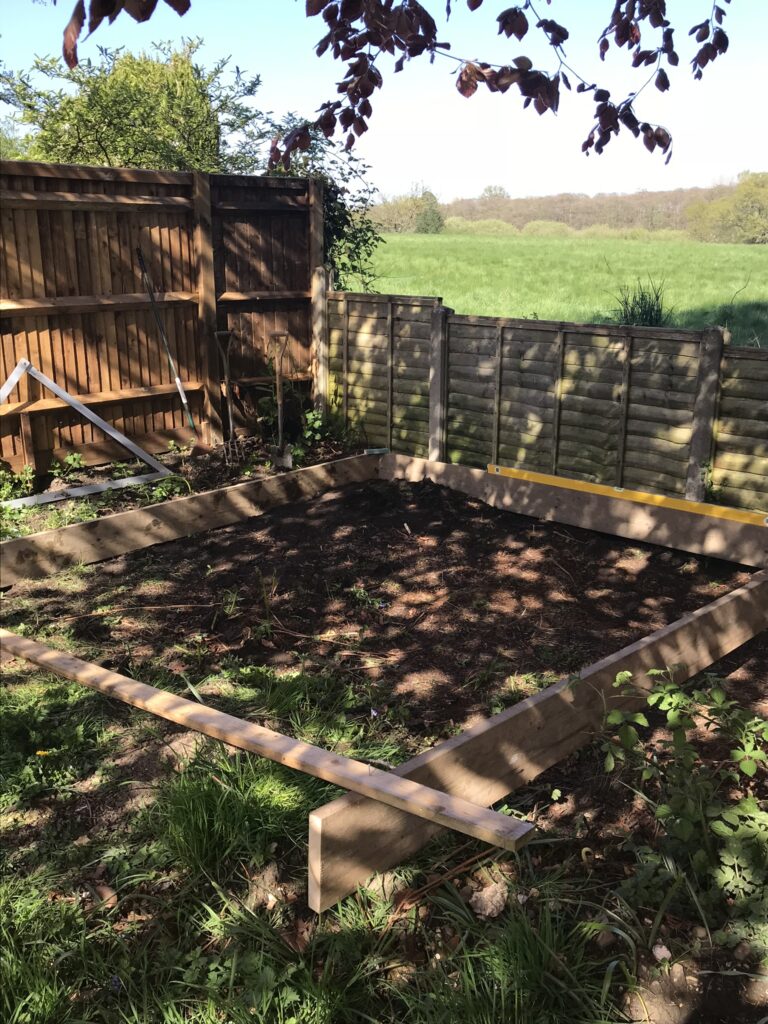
(662, 80)
(513, 22)
(72, 33)
(556, 34)
(314, 7)
(98, 10)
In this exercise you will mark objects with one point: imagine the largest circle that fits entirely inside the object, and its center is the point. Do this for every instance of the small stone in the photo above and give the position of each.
(677, 974)
(661, 952)
(490, 901)
(699, 932)
(743, 951)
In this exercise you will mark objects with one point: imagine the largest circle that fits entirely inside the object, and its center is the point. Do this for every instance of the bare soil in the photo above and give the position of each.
(446, 606)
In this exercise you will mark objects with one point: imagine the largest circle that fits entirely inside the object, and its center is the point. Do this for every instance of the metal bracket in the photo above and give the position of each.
(159, 470)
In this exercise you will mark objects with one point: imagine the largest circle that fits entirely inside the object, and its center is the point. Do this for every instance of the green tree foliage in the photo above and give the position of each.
(166, 111)
(741, 216)
(13, 146)
(418, 212)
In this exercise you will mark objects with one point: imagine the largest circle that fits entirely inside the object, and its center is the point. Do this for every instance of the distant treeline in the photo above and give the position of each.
(725, 213)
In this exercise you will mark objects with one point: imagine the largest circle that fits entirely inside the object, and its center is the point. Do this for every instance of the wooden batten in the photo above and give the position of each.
(452, 812)
(351, 838)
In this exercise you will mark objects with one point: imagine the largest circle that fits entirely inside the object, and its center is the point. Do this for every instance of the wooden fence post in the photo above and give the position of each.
(557, 392)
(704, 412)
(316, 221)
(320, 338)
(206, 305)
(438, 380)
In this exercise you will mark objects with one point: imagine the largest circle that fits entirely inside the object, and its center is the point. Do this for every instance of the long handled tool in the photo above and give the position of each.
(199, 445)
(233, 452)
(280, 457)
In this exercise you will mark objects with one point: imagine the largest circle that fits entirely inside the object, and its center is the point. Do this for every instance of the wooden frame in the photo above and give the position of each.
(42, 554)
(386, 817)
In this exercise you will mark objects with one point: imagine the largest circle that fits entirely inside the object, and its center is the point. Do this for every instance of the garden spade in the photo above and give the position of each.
(281, 455)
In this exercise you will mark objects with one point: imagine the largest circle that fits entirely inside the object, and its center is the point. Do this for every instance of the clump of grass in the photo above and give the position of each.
(642, 305)
(223, 810)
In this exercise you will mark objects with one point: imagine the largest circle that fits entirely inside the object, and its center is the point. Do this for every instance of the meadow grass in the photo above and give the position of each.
(580, 279)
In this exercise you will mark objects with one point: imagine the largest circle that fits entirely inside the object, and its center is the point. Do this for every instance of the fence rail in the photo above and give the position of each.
(224, 252)
(678, 412)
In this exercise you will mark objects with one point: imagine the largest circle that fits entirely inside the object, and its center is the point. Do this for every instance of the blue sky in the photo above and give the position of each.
(423, 131)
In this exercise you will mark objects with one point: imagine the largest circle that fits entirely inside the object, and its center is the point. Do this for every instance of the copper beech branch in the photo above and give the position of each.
(359, 32)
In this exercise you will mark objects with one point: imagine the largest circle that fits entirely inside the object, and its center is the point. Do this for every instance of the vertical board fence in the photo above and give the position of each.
(677, 412)
(223, 252)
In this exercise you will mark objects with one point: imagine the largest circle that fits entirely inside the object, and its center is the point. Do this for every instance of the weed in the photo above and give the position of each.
(714, 847)
(16, 485)
(68, 467)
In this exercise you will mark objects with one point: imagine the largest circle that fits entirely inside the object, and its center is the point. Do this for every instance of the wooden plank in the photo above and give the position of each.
(95, 201)
(234, 298)
(44, 553)
(78, 172)
(435, 806)
(207, 314)
(351, 838)
(96, 398)
(59, 306)
(698, 527)
(704, 413)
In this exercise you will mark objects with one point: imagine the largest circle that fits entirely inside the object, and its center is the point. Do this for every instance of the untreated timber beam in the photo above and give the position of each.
(44, 553)
(405, 795)
(96, 398)
(60, 305)
(734, 534)
(351, 838)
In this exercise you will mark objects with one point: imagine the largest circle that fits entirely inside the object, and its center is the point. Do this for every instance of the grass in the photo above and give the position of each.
(580, 279)
(185, 938)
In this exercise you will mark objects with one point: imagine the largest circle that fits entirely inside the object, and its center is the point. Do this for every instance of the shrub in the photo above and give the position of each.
(548, 229)
(642, 305)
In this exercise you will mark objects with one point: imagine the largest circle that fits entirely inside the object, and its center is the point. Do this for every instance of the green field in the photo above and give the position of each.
(579, 278)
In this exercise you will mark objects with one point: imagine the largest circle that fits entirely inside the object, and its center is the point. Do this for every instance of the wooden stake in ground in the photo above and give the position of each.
(450, 811)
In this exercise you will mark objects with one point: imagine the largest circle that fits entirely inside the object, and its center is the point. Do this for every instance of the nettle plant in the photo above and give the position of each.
(705, 795)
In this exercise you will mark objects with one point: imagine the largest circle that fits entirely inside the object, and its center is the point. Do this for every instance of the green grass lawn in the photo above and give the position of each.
(579, 279)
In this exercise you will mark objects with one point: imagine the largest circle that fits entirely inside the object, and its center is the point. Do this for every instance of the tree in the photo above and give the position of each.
(164, 111)
(160, 111)
(740, 216)
(418, 212)
(13, 146)
(363, 33)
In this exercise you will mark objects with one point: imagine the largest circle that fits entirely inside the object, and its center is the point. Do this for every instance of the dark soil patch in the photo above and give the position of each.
(442, 604)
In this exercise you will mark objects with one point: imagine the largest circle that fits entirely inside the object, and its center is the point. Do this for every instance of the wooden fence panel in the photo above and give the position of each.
(740, 459)
(379, 345)
(610, 404)
(72, 299)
